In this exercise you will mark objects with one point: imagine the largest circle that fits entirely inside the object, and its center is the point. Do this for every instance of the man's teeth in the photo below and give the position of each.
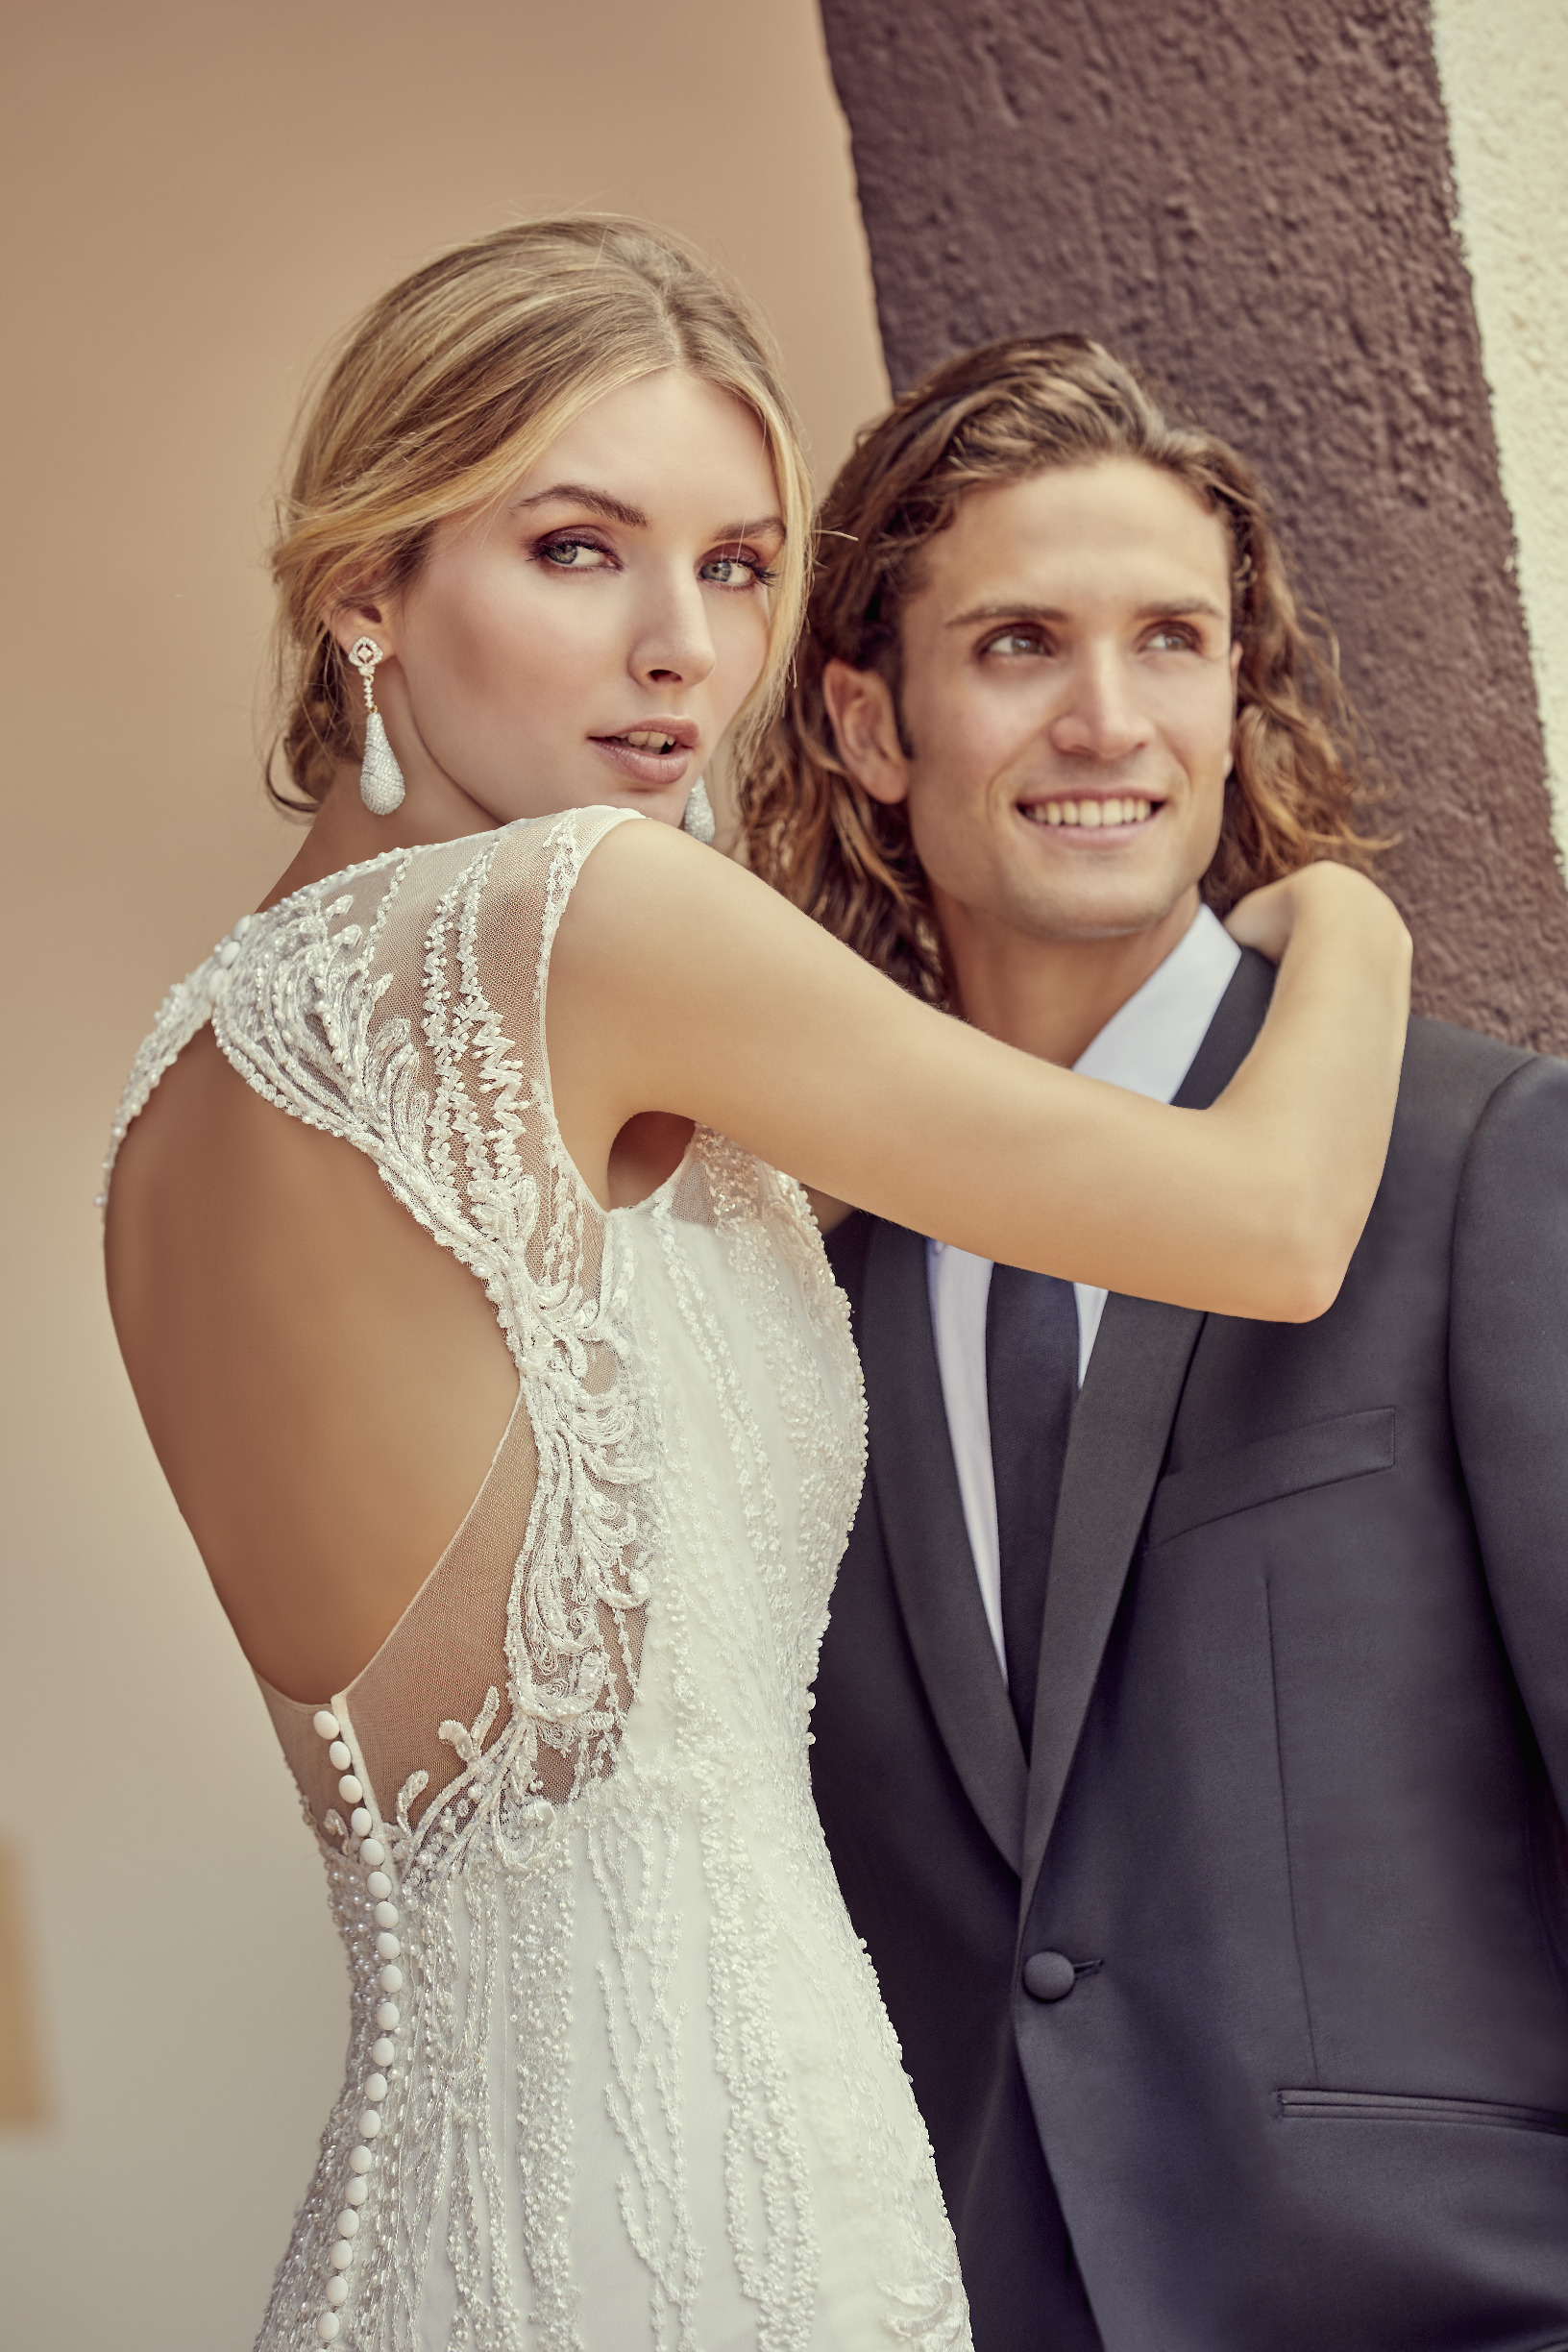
(1091, 813)
(645, 742)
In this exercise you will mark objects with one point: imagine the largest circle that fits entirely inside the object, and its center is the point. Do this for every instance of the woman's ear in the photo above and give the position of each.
(365, 616)
(866, 728)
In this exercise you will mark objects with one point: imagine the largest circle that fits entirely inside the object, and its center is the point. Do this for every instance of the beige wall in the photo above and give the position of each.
(1505, 72)
(198, 198)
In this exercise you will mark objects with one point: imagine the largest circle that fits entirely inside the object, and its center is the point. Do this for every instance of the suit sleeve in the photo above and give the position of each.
(1509, 1382)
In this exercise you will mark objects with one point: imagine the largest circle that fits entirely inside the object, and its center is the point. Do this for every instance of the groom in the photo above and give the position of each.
(1192, 1732)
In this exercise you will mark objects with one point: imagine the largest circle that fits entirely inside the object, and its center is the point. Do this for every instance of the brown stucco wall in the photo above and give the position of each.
(1257, 203)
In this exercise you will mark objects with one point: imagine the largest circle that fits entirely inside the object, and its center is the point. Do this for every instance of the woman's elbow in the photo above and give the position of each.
(1301, 1271)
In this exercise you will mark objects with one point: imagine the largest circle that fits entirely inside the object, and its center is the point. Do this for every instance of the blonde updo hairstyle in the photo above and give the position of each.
(450, 388)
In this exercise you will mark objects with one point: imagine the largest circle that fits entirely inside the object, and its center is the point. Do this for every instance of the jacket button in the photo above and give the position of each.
(1048, 1975)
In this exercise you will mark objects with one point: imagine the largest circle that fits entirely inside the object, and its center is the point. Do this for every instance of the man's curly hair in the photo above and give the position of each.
(1000, 414)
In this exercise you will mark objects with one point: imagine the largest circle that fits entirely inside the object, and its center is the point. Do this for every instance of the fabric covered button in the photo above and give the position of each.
(1049, 1976)
(360, 2160)
(327, 2327)
(388, 1947)
(379, 1885)
(372, 1854)
(339, 1755)
(386, 1915)
(388, 2016)
(350, 1789)
(391, 1978)
(326, 1723)
(370, 2124)
(337, 2291)
(341, 2255)
(383, 2051)
(360, 1822)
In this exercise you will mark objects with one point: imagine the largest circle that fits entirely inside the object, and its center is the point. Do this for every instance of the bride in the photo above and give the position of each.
(446, 1229)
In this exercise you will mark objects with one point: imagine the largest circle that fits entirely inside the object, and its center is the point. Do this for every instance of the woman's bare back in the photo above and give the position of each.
(325, 1385)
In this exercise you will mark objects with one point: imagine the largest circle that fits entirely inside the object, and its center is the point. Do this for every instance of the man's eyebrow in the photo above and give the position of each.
(1167, 608)
(599, 502)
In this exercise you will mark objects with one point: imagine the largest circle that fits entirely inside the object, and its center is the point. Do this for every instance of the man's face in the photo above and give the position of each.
(1069, 692)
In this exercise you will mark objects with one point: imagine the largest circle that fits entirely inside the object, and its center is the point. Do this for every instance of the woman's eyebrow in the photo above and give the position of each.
(733, 531)
(616, 510)
(599, 501)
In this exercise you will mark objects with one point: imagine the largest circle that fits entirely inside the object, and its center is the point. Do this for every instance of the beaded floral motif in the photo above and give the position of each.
(638, 2088)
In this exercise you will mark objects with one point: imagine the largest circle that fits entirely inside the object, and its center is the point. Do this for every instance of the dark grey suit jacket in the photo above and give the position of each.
(1300, 1775)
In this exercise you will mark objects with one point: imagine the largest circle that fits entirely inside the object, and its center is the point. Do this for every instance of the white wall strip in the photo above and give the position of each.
(1505, 72)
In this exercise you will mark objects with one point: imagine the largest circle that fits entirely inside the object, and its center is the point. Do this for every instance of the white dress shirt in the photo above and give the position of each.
(1148, 1047)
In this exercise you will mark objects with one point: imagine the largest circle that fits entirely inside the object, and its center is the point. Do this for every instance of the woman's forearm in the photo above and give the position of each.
(680, 984)
(1314, 1098)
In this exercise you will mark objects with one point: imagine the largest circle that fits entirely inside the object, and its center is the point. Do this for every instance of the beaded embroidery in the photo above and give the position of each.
(619, 2075)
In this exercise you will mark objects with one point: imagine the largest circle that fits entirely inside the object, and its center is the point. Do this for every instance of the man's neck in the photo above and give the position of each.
(1052, 997)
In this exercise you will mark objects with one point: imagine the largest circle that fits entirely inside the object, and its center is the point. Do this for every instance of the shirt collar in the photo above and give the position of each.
(1148, 1047)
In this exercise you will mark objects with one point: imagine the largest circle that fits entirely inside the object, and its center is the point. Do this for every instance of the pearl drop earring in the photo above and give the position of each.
(381, 779)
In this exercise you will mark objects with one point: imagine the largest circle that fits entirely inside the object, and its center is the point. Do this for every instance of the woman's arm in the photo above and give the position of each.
(680, 983)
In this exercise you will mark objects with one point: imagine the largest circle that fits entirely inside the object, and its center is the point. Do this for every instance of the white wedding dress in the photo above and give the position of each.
(619, 2074)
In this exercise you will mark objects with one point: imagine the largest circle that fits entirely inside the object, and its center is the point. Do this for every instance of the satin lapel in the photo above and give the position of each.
(928, 1545)
(1119, 1435)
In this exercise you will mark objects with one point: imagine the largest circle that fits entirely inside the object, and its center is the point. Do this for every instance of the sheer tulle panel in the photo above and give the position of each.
(435, 1694)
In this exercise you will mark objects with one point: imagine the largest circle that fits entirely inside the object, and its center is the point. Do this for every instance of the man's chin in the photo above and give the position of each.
(1090, 917)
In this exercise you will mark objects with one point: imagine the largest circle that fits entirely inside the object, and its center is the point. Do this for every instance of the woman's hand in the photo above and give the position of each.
(1266, 919)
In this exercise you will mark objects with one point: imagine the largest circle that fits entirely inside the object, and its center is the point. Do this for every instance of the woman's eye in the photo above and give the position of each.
(1171, 641)
(574, 554)
(735, 572)
(1015, 641)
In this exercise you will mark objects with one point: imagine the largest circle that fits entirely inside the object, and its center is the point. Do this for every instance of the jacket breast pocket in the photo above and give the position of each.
(1321, 1454)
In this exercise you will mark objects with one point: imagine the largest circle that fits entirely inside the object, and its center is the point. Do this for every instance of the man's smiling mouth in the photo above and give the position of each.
(1090, 812)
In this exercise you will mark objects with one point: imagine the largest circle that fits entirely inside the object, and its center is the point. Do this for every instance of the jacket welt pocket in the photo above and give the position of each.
(1388, 2107)
(1322, 1454)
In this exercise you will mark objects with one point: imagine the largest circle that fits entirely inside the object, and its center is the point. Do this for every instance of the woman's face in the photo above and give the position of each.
(589, 640)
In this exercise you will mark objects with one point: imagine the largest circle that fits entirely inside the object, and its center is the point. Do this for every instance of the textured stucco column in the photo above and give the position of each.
(1257, 204)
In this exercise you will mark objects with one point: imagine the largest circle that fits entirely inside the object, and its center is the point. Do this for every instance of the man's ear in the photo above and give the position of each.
(866, 727)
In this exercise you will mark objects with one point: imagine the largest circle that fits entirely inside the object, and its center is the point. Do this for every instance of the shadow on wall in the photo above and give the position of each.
(24, 2103)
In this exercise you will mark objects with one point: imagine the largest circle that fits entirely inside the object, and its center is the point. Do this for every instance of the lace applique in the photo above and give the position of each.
(639, 2093)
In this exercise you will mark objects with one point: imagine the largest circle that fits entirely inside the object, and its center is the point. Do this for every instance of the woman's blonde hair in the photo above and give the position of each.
(450, 386)
(1009, 410)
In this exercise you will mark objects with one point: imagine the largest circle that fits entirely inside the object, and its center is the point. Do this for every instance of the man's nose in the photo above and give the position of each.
(675, 644)
(1100, 716)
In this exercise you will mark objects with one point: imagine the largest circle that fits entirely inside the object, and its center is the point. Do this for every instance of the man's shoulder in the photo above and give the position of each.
(1452, 1073)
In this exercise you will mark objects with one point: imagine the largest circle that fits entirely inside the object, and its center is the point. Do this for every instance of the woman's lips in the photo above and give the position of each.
(641, 765)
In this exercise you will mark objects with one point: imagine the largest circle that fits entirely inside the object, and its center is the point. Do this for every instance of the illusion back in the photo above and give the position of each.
(619, 2074)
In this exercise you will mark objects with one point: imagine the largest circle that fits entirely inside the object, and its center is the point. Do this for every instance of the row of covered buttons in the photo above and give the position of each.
(379, 1888)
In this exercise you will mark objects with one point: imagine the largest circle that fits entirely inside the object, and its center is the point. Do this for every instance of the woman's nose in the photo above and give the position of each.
(674, 645)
